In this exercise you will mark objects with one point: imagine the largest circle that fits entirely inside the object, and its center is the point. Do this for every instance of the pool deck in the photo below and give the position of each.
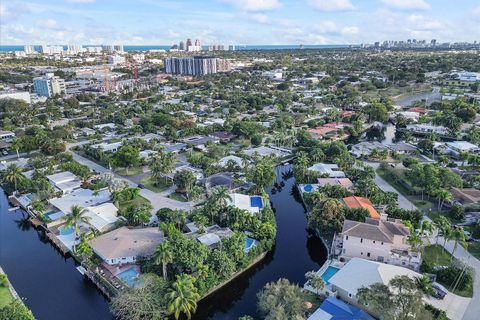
(329, 263)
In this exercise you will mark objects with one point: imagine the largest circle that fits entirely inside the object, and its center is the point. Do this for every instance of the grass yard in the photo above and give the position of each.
(437, 254)
(387, 177)
(5, 296)
(131, 171)
(123, 205)
(474, 249)
(178, 196)
(149, 184)
(423, 204)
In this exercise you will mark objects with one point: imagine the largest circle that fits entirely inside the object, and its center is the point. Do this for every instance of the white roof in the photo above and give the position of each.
(102, 215)
(209, 239)
(462, 145)
(62, 177)
(242, 201)
(224, 161)
(358, 273)
(330, 169)
(266, 151)
(82, 197)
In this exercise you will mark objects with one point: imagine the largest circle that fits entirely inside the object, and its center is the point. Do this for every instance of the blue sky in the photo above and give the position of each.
(236, 21)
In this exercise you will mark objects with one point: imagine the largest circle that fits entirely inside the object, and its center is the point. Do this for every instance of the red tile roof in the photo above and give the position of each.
(360, 202)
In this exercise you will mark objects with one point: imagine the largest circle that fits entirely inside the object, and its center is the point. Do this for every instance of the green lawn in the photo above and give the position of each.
(5, 296)
(135, 202)
(131, 171)
(423, 204)
(386, 176)
(437, 254)
(474, 249)
(178, 196)
(149, 184)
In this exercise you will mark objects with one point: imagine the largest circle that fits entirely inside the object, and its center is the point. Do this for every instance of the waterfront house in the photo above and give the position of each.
(125, 245)
(383, 240)
(355, 202)
(335, 309)
(327, 170)
(214, 235)
(102, 217)
(359, 273)
(225, 161)
(321, 133)
(65, 182)
(252, 204)
(267, 151)
(344, 182)
(425, 128)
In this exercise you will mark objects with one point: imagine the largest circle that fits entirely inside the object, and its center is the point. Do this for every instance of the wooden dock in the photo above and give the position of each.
(57, 243)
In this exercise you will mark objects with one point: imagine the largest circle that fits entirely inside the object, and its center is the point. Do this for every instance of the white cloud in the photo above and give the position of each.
(419, 22)
(476, 13)
(407, 4)
(350, 31)
(331, 5)
(48, 23)
(254, 5)
(259, 17)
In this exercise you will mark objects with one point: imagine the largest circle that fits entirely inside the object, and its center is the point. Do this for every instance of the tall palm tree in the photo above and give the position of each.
(441, 224)
(76, 216)
(13, 174)
(183, 296)
(458, 237)
(16, 144)
(221, 196)
(426, 229)
(163, 255)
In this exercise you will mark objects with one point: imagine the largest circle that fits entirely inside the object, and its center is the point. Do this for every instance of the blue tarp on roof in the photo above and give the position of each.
(343, 311)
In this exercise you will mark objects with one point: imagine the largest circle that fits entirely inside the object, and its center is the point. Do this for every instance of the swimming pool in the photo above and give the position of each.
(65, 231)
(129, 276)
(308, 188)
(249, 244)
(328, 273)
(256, 201)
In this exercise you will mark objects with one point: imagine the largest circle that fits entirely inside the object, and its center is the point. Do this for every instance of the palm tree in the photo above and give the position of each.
(76, 216)
(13, 174)
(221, 196)
(16, 144)
(441, 223)
(183, 296)
(426, 229)
(163, 255)
(458, 237)
(442, 196)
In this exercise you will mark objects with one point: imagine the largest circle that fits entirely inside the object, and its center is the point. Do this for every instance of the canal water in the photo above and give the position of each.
(296, 252)
(53, 289)
(49, 283)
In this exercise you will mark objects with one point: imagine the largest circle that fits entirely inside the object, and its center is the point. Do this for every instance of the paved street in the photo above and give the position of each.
(158, 200)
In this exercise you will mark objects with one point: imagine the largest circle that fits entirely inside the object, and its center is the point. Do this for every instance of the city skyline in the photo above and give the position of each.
(237, 21)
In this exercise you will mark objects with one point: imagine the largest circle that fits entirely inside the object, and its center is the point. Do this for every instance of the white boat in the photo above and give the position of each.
(82, 270)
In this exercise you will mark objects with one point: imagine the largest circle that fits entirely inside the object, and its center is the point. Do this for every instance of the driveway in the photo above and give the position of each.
(455, 305)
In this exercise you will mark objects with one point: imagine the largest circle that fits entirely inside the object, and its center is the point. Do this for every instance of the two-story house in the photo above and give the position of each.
(383, 240)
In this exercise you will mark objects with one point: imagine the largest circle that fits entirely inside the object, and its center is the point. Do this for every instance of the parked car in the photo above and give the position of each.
(5, 152)
(440, 291)
(141, 186)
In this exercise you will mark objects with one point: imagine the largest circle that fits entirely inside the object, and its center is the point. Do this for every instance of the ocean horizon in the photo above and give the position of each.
(11, 48)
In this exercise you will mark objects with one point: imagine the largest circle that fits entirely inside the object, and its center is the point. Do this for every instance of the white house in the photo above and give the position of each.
(383, 240)
(81, 197)
(329, 170)
(125, 245)
(102, 217)
(6, 136)
(252, 204)
(110, 147)
(65, 181)
(455, 148)
(226, 160)
(427, 128)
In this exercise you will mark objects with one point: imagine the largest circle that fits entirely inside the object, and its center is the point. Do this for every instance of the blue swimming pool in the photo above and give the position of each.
(328, 273)
(256, 201)
(129, 276)
(65, 231)
(249, 244)
(308, 188)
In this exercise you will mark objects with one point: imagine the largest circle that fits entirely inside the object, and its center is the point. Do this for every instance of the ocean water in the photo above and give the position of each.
(7, 48)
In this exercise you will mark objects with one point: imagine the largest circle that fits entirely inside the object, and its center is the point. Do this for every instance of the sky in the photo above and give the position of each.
(164, 22)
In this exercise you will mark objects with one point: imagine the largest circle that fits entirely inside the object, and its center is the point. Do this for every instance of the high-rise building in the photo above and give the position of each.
(118, 48)
(181, 45)
(44, 49)
(196, 66)
(49, 85)
(231, 47)
(74, 49)
(189, 43)
(433, 42)
(29, 49)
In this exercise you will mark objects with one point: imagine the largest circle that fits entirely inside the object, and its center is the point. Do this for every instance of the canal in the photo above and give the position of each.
(53, 289)
(49, 283)
(296, 252)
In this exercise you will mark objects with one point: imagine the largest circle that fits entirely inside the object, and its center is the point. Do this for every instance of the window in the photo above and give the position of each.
(346, 237)
(361, 253)
(382, 243)
(349, 295)
(361, 240)
(373, 241)
(368, 254)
